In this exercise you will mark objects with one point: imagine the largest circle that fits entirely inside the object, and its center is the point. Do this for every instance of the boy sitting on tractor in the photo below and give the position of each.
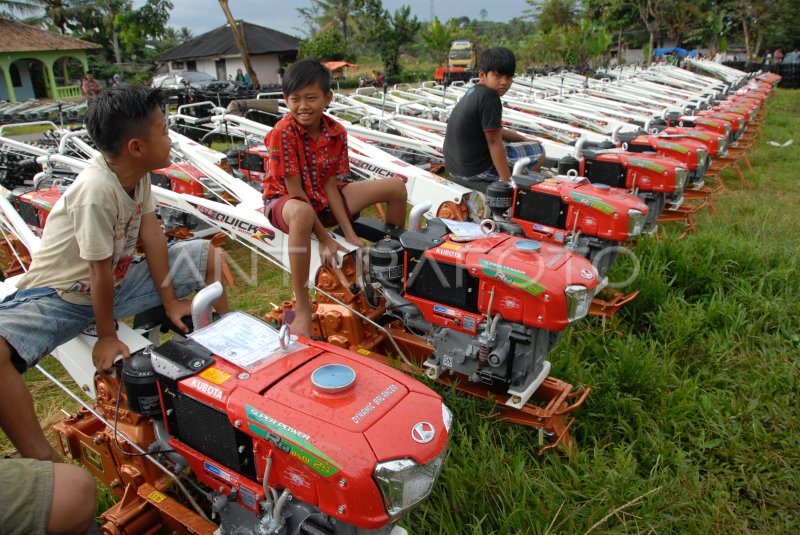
(474, 148)
(85, 271)
(303, 193)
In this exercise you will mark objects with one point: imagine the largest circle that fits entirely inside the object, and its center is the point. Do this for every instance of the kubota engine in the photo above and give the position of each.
(692, 154)
(35, 205)
(311, 439)
(655, 179)
(588, 219)
(491, 307)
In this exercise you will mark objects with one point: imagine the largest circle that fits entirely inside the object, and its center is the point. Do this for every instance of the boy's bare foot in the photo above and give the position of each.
(300, 324)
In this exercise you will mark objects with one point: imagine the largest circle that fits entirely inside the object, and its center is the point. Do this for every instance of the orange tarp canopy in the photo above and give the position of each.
(335, 65)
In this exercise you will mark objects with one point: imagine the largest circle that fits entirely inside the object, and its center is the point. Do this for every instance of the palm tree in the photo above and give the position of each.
(335, 14)
(437, 39)
(53, 14)
(19, 7)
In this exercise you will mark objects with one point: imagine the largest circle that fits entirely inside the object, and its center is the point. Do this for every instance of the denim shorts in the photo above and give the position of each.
(35, 321)
(26, 488)
(514, 153)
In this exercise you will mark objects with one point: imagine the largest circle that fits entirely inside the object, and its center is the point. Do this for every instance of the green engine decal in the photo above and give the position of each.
(647, 164)
(677, 147)
(592, 202)
(180, 175)
(709, 122)
(291, 442)
(511, 276)
(698, 135)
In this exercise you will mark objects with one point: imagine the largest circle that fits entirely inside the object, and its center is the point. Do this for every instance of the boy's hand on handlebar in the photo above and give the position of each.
(353, 239)
(327, 252)
(178, 309)
(106, 350)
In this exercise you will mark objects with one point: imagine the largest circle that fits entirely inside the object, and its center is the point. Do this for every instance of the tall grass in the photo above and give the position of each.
(692, 426)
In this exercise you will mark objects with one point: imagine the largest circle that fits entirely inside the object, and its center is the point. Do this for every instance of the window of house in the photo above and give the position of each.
(191, 65)
(177, 65)
(16, 79)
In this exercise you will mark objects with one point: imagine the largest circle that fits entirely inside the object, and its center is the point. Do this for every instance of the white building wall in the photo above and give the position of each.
(207, 66)
(265, 65)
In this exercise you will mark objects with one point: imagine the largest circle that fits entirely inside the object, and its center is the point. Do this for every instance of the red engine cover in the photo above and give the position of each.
(736, 119)
(183, 178)
(682, 150)
(715, 143)
(43, 200)
(645, 172)
(524, 287)
(324, 446)
(591, 209)
(709, 124)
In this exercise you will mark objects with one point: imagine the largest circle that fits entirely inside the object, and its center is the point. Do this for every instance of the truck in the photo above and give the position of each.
(464, 54)
(462, 60)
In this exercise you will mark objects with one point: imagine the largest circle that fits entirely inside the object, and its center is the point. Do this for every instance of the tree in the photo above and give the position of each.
(680, 17)
(240, 42)
(713, 30)
(143, 26)
(551, 14)
(47, 14)
(326, 14)
(652, 14)
(616, 16)
(568, 45)
(110, 11)
(387, 33)
(759, 19)
(57, 13)
(437, 39)
(328, 45)
(10, 8)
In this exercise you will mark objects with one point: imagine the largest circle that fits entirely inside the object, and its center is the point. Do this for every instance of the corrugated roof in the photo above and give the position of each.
(18, 37)
(333, 65)
(220, 42)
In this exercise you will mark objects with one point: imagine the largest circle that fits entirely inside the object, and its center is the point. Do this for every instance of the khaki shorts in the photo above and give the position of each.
(26, 492)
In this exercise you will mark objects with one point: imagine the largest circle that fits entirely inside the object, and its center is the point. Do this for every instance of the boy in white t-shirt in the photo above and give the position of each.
(85, 270)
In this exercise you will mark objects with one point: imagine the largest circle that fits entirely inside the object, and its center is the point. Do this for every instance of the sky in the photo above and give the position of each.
(201, 16)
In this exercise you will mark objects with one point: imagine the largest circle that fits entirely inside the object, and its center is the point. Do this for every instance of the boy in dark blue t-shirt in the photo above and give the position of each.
(474, 145)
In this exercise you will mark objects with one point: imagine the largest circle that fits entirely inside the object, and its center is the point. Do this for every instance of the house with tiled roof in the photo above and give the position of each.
(39, 64)
(216, 53)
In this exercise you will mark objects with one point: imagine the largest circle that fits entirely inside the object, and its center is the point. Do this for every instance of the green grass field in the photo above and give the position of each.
(692, 424)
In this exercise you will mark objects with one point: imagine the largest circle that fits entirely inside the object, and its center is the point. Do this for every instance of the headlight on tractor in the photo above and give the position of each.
(578, 300)
(404, 482)
(722, 146)
(447, 418)
(681, 175)
(636, 221)
(701, 157)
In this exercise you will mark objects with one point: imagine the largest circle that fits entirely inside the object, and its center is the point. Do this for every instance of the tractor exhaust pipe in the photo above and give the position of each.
(201, 304)
(415, 217)
(520, 164)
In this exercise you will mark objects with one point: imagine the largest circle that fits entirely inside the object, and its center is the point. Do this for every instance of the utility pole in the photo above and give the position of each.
(240, 42)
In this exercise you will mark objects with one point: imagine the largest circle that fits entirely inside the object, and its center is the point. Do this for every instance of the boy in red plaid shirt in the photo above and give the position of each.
(302, 192)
